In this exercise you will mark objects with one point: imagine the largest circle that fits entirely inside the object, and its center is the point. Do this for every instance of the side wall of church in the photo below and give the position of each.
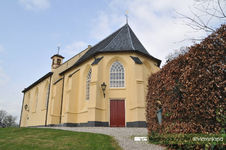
(36, 116)
(36, 100)
(55, 100)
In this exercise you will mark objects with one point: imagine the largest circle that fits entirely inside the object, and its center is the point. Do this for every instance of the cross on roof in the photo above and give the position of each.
(127, 17)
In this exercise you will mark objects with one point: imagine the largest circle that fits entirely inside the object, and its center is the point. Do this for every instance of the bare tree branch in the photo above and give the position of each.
(206, 12)
(221, 8)
(210, 18)
(196, 25)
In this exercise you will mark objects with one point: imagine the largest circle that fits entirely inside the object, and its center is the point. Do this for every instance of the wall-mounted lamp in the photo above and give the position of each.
(103, 87)
(26, 107)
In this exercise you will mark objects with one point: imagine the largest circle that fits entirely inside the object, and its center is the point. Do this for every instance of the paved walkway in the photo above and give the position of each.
(122, 135)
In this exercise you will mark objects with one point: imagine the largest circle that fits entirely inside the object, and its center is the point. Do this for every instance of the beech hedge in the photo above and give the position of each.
(191, 89)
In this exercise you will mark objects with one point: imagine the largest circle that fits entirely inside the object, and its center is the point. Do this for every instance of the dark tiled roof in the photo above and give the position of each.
(97, 60)
(136, 60)
(57, 55)
(137, 44)
(122, 40)
(38, 81)
(73, 73)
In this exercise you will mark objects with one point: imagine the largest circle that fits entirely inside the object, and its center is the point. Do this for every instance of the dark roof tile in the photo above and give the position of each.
(136, 60)
(97, 60)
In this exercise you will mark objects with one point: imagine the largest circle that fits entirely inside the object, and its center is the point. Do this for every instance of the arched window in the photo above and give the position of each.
(88, 80)
(28, 108)
(29, 99)
(36, 105)
(117, 76)
(47, 96)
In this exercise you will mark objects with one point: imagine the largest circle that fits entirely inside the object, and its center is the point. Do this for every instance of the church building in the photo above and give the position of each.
(104, 85)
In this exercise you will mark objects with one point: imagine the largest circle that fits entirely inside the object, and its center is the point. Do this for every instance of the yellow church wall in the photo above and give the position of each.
(55, 102)
(138, 107)
(81, 107)
(53, 117)
(70, 98)
(36, 116)
(25, 112)
(100, 102)
(143, 72)
(95, 104)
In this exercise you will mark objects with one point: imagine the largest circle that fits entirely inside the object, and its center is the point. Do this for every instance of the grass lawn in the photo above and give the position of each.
(53, 139)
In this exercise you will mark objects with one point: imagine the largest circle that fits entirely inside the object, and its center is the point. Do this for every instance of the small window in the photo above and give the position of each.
(88, 80)
(58, 61)
(53, 62)
(117, 75)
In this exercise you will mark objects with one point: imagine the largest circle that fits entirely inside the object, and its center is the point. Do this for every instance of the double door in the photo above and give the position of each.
(117, 113)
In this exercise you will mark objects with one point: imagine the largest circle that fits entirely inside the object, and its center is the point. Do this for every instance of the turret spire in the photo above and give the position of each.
(58, 48)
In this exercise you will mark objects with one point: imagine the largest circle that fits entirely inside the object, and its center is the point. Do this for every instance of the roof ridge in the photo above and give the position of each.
(113, 38)
(130, 37)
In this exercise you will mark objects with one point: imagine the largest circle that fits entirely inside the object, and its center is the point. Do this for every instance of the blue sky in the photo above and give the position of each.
(30, 31)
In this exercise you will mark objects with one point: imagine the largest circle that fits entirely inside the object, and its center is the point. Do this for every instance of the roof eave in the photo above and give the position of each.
(57, 55)
(37, 82)
(114, 51)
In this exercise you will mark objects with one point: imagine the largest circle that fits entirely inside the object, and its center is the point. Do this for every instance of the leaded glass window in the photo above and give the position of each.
(117, 75)
(88, 80)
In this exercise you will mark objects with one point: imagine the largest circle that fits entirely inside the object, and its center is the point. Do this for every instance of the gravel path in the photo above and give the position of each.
(122, 135)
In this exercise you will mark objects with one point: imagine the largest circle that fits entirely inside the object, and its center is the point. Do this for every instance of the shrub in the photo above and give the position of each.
(191, 90)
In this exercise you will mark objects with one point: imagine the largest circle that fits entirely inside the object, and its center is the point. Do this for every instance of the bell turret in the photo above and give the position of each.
(56, 60)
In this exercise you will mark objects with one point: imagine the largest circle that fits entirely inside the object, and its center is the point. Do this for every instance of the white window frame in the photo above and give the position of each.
(117, 76)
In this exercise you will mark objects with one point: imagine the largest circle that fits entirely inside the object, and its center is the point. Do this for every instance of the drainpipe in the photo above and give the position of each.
(62, 99)
(48, 102)
(21, 110)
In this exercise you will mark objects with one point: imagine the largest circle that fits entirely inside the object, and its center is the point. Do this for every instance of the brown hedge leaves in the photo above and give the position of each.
(191, 89)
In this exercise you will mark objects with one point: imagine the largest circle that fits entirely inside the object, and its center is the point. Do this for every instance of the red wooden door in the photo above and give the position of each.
(117, 113)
